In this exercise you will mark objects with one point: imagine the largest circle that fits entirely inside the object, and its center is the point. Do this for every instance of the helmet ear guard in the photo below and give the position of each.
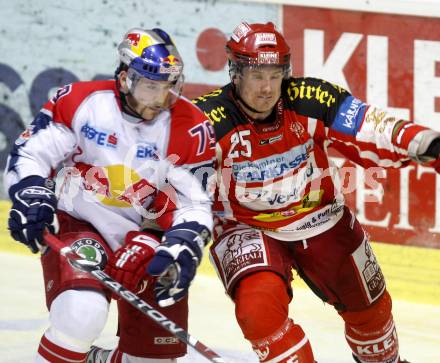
(255, 45)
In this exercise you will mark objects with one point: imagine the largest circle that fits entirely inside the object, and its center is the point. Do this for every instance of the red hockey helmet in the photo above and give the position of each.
(256, 45)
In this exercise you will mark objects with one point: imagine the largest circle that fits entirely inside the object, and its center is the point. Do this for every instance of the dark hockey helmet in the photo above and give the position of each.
(257, 45)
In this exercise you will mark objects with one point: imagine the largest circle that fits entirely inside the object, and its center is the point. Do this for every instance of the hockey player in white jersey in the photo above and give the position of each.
(135, 160)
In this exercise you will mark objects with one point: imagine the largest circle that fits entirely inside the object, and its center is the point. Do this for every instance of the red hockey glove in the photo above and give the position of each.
(128, 264)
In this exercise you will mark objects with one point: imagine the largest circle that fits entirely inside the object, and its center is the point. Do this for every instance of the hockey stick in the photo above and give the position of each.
(129, 296)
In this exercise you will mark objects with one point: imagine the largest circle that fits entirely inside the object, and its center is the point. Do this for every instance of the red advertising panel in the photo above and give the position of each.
(392, 61)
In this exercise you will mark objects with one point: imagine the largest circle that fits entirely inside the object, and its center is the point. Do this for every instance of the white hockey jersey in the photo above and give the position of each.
(119, 172)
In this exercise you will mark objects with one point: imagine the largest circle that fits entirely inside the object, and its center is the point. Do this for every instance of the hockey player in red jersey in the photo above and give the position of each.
(133, 197)
(279, 205)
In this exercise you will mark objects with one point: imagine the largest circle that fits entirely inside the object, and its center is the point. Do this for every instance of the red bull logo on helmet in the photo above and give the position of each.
(134, 38)
(171, 60)
(139, 42)
(170, 65)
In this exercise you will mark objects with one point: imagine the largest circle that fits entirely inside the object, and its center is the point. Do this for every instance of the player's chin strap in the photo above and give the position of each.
(92, 268)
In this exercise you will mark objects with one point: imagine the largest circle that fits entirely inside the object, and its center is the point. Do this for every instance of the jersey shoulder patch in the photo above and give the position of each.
(67, 99)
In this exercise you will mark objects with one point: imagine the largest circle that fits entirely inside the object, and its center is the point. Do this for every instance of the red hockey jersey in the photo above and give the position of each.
(278, 177)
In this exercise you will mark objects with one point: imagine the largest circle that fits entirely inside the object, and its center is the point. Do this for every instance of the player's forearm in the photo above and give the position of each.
(200, 213)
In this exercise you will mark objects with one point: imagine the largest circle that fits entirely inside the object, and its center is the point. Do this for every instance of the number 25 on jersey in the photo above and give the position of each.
(240, 145)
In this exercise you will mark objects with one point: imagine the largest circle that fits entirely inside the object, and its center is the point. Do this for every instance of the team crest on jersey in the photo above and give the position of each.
(297, 128)
(91, 250)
